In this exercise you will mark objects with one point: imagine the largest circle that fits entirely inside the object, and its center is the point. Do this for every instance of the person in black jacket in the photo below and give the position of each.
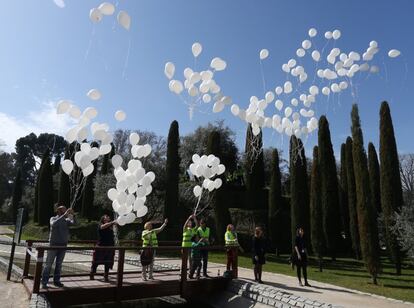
(302, 257)
(258, 249)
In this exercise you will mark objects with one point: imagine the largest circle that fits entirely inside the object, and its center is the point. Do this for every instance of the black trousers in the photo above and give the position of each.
(204, 257)
(301, 265)
(195, 266)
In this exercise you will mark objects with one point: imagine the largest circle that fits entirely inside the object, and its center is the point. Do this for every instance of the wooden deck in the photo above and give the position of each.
(122, 285)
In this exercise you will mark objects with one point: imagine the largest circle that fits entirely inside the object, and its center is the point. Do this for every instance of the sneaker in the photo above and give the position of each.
(58, 284)
(206, 275)
(151, 277)
(307, 284)
(190, 277)
(300, 284)
(44, 286)
(260, 281)
(144, 278)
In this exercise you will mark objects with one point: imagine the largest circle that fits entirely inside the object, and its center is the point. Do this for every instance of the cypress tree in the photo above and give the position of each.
(218, 201)
(343, 196)
(298, 188)
(305, 190)
(374, 177)
(88, 194)
(254, 168)
(172, 173)
(56, 164)
(45, 197)
(275, 203)
(36, 198)
(17, 194)
(316, 209)
(329, 189)
(367, 220)
(106, 161)
(64, 184)
(391, 189)
(353, 216)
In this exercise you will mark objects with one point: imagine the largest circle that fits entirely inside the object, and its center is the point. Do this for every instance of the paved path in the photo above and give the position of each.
(12, 293)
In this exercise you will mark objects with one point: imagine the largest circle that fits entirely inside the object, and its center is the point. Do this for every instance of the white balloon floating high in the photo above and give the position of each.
(169, 70)
(124, 20)
(120, 115)
(95, 15)
(196, 49)
(393, 53)
(94, 94)
(264, 53)
(106, 8)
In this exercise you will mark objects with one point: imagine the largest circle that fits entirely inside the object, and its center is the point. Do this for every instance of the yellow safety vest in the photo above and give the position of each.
(204, 233)
(230, 238)
(187, 235)
(149, 238)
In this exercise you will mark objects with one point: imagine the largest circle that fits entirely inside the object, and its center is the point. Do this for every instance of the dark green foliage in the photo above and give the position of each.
(275, 204)
(329, 189)
(17, 194)
(367, 220)
(88, 194)
(45, 192)
(316, 214)
(353, 216)
(64, 184)
(374, 177)
(106, 161)
(391, 189)
(343, 196)
(56, 164)
(254, 170)
(171, 206)
(218, 199)
(299, 195)
(45, 156)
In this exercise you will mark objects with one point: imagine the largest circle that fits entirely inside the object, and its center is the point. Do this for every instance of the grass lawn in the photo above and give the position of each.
(348, 273)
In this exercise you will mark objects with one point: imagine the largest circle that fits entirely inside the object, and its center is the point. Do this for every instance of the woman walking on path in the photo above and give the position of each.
(104, 256)
(230, 239)
(302, 257)
(259, 250)
(149, 239)
(188, 232)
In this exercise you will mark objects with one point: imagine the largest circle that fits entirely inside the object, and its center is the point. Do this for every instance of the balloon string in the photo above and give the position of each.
(90, 43)
(263, 77)
(126, 59)
(198, 202)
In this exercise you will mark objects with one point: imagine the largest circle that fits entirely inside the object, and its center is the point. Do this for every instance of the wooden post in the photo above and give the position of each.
(120, 272)
(27, 259)
(235, 262)
(184, 262)
(38, 270)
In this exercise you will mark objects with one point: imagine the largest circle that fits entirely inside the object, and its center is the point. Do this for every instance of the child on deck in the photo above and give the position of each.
(196, 255)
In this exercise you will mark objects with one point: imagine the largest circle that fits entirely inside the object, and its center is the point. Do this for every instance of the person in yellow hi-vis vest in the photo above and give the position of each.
(188, 233)
(149, 239)
(204, 233)
(230, 239)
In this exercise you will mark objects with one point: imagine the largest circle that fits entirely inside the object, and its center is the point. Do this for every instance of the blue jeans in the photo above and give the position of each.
(51, 255)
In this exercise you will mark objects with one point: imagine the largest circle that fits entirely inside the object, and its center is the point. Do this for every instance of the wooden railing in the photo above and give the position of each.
(121, 258)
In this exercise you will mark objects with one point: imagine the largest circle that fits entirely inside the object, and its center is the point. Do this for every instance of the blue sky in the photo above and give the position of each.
(49, 53)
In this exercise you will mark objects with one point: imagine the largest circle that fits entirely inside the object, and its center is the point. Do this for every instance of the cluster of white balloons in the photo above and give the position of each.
(199, 85)
(133, 184)
(293, 102)
(206, 167)
(106, 8)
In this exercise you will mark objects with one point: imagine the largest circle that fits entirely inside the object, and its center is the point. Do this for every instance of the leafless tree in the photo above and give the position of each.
(407, 177)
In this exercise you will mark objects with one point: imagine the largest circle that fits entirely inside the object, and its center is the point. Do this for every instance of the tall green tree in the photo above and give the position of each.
(45, 157)
(88, 194)
(219, 203)
(275, 203)
(45, 192)
(254, 170)
(171, 207)
(374, 177)
(352, 203)
(343, 196)
(391, 189)
(106, 161)
(17, 193)
(367, 220)
(56, 164)
(299, 200)
(316, 214)
(329, 189)
(64, 183)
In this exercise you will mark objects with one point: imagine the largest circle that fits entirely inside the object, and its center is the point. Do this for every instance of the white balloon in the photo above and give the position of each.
(218, 107)
(105, 149)
(94, 94)
(82, 134)
(279, 104)
(87, 170)
(67, 166)
(169, 70)
(326, 91)
(235, 109)
(221, 169)
(264, 53)
(328, 35)
(354, 56)
(217, 183)
(142, 211)
(335, 88)
(124, 20)
(75, 112)
(112, 194)
(285, 68)
(393, 53)
(306, 44)
(196, 49)
(197, 191)
(107, 8)
(63, 106)
(336, 34)
(294, 101)
(206, 98)
(300, 52)
(303, 77)
(287, 87)
(116, 161)
(312, 32)
(316, 56)
(314, 90)
(193, 91)
(269, 97)
(343, 85)
(364, 67)
(278, 90)
(95, 15)
(374, 69)
(218, 64)
(120, 115)
(133, 138)
(288, 112)
(206, 75)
